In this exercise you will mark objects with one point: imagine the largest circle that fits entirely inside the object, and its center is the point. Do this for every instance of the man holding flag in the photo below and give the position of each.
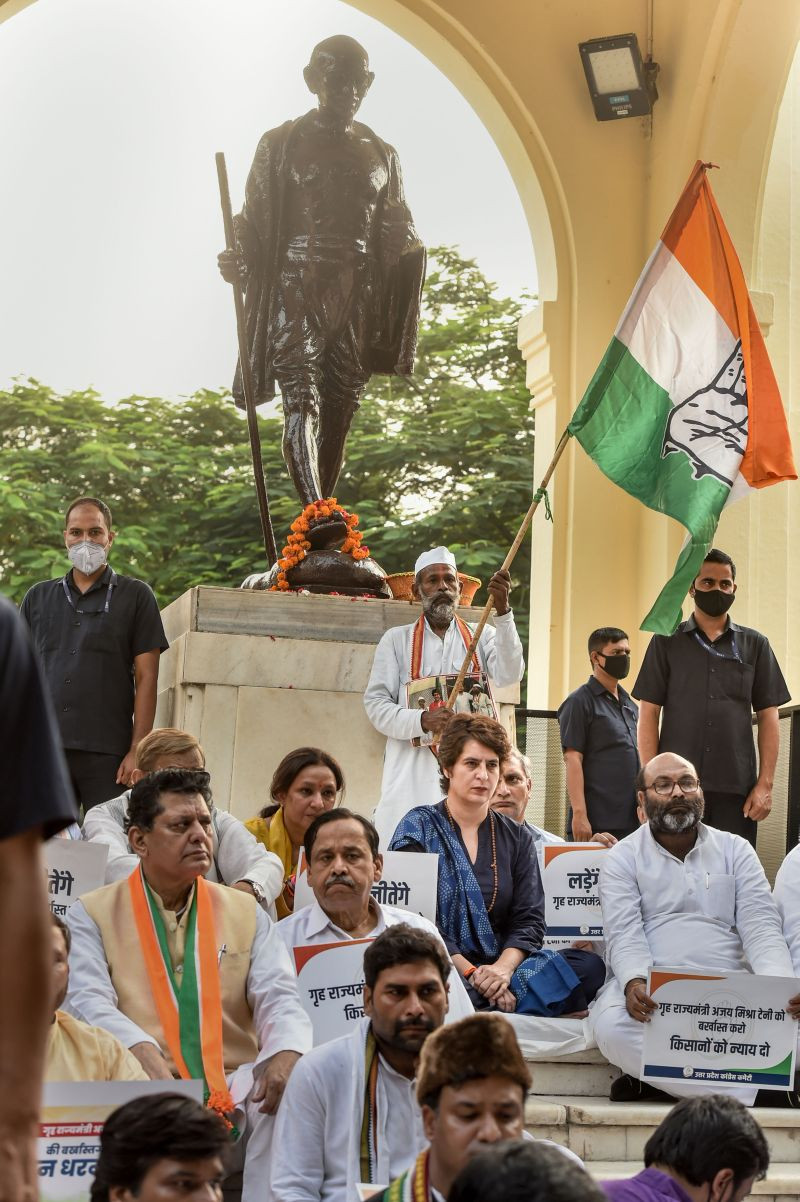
(704, 681)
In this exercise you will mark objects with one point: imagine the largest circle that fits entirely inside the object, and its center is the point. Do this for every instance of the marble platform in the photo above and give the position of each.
(254, 675)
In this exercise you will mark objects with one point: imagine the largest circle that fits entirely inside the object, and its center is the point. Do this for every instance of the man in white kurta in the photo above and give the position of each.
(264, 1028)
(411, 774)
(786, 894)
(329, 1103)
(237, 857)
(343, 846)
(678, 893)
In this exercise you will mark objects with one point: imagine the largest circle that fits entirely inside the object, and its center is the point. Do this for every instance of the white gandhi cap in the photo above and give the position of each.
(436, 555)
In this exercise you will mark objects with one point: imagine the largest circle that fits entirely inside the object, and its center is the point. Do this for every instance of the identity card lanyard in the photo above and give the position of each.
(109, 589)
(711, 649)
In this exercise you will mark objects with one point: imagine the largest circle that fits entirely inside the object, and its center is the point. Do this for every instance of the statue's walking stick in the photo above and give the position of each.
(515, 546)
(247, 374)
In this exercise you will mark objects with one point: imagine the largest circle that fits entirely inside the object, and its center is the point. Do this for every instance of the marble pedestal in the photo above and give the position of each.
(254, 675)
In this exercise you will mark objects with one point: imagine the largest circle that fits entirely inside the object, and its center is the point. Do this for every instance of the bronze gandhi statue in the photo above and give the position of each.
(332, 265)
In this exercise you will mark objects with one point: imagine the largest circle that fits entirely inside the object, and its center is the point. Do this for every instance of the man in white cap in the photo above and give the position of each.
(432, 646)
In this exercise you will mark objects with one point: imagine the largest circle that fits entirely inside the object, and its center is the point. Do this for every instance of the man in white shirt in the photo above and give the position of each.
(238, 859)
(678, 893)
(435, 645)
(344, 863)
(786, 893)
(513, 794)
(136, 948)
(349, 1113)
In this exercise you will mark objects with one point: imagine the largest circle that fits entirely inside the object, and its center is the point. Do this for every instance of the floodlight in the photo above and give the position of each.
(620, 84)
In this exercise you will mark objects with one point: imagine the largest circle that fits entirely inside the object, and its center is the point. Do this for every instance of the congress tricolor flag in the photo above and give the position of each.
(684, 410)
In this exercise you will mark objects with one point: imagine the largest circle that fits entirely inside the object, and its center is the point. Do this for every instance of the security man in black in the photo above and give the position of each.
(705, 681)
(99, 637)
(598, 738)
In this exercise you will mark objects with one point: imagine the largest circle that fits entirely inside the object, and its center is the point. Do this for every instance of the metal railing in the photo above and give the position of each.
(538, 737)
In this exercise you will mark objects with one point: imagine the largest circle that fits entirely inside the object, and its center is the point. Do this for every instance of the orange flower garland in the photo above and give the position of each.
(297, 543)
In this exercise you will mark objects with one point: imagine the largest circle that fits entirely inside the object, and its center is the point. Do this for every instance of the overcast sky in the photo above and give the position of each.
(110, 114)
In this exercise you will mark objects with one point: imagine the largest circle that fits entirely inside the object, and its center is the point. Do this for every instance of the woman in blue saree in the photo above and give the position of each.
(490, 904)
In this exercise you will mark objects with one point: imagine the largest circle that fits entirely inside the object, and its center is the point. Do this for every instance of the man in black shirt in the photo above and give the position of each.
(35, 802)
(99, 637)
(598, 738)
(704, 681)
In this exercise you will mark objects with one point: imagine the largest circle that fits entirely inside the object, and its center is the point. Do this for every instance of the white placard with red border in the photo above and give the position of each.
(408, 882)
(330, 979)
(72, 1120)
(722, 1029)
(73, 868)
(570, 872)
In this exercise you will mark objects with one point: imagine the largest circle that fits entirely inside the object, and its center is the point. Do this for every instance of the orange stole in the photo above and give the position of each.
(235, 922)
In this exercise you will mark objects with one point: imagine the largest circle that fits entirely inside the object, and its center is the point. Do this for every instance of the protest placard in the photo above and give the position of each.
(72, 1120)
(723, 1028)
(570, 872)
(330, 978)
(73, 868)
(409, 882)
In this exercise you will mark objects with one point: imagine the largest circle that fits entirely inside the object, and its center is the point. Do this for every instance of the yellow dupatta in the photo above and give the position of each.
(273, 834)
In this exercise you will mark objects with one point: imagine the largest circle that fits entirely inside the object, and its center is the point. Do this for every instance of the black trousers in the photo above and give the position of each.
(94, 776)
(724, 811)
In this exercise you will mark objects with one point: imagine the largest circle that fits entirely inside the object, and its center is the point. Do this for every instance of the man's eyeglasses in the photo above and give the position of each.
(663, 786)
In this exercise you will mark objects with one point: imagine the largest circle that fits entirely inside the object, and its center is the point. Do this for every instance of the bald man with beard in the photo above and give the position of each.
(678, 892)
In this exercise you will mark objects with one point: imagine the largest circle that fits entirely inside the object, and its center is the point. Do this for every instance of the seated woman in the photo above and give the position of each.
(305, 783)
(490, 905)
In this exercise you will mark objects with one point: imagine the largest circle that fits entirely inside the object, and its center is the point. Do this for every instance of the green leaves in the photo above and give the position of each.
(443, 457)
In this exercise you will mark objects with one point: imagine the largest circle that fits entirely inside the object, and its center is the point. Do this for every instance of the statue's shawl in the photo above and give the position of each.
(397, 287)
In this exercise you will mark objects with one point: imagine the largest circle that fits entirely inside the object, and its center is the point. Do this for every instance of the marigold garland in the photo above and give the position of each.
(297, 544)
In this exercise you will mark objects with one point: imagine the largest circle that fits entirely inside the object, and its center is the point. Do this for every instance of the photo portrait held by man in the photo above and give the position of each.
(432, 646)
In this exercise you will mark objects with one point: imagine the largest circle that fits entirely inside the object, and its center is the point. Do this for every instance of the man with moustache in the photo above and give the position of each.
(471, 1085)
(188, 974)
(678, 892)
(435, 645)
(344, 863)
(704, 682)
(350, 1114)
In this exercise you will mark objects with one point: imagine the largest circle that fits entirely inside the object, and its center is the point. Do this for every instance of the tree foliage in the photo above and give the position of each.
(442, 457)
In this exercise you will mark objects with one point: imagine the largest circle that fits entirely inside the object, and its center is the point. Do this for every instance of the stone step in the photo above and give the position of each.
(599, 1130)
(586, 1073)
(782, 1183)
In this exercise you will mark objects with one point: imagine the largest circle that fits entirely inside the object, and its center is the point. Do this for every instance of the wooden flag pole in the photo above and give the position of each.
(509, 559)
(247, 373)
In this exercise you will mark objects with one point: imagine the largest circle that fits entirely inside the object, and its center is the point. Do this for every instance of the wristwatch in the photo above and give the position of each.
(259, 893)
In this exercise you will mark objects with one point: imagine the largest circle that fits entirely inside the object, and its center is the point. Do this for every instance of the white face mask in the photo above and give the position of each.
(87, 557)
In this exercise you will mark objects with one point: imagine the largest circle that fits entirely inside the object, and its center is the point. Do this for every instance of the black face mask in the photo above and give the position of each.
(714, 602)
(618, 665)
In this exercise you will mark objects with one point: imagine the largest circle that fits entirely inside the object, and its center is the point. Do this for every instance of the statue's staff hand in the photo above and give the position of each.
(232, 266)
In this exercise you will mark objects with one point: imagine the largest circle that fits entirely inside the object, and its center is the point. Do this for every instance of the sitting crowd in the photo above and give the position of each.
(165, 972)
(183, 964)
